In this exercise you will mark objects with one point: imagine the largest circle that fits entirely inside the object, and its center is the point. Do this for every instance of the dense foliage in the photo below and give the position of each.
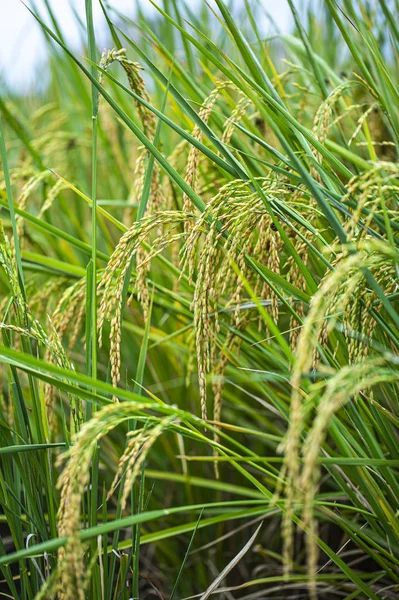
(199, 293)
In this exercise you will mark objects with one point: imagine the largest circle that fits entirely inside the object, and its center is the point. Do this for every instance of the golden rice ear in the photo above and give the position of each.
(32, 328)
(381, 136)
(113, 279)
(368, 189)
(73, 481)
(218, 373)
(191, 175)
(235, 117)
(323, 118)
(136, 83)
(327, 306)
(136, 458)
(344, 385)
(25, 193)
(148, 120)
(193, 160)
(235, 224)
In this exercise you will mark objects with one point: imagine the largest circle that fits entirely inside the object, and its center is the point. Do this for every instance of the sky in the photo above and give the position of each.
(22, 47)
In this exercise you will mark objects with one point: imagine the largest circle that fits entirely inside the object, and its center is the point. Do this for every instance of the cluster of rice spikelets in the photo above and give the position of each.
(136, 83)
(31, 180)
(137, 449)
(56, 354)
(323, 118)
(344, 385)
(44, 294)
(30, 327)
(307, 207)
(148, 121)
(76, 475)
(193, 175)
(235, 225)
(328, 306)
(118, 267)
(8, 263)
(384, 146)
(340, 109)
(361, 123)
(156, 200)
(375, 192)
(70, 309)
(194, 155)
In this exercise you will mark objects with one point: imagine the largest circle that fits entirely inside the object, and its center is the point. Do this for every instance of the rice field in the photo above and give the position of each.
(199, 354)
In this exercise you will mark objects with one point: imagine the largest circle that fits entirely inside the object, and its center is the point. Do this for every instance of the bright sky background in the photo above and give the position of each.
(22, 47)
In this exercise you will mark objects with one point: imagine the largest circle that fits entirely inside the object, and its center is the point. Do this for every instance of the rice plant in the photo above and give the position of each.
(199, 289)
